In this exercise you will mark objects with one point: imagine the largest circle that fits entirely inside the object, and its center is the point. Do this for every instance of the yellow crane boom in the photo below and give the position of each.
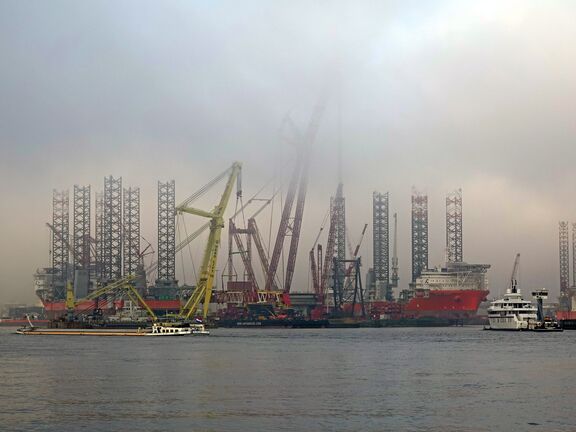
(123, 284)
(203, 291)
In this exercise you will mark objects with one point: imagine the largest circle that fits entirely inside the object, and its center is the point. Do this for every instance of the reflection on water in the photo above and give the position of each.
(446, 379)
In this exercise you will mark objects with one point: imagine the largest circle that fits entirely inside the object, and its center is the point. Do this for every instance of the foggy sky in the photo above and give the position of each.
(438, 95)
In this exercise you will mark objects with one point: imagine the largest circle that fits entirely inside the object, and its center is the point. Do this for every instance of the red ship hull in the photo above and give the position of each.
(447, 304)
(566, 315)
(451, 304)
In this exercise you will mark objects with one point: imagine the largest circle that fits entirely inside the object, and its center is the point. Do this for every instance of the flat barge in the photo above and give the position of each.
(82, 332)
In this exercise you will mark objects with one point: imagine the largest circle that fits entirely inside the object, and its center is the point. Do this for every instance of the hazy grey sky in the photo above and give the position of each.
(440, 95)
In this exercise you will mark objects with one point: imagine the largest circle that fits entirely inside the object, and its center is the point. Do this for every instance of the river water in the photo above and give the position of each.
(406, 379)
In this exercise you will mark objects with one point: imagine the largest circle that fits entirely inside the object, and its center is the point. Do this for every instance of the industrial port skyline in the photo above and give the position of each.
(408, 118)
(405, 167)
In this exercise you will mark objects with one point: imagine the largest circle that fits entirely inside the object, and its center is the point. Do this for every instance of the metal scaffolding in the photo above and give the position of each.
(564, 258)
(99, 259)
(166, 231)
(394, 277)
(419, 233)
(454, 226)
(131, 216)
(81, 227)
(60, 239)
(352, 294)
(338, 207)
(112, 229)
(381, 246)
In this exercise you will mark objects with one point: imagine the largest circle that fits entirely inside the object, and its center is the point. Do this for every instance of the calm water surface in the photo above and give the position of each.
(435, 379)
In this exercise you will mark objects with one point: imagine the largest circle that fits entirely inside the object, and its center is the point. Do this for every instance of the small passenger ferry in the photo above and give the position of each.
(178, 329)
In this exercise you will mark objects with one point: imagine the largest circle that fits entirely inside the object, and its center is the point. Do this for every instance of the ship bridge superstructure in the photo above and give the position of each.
(454, 276)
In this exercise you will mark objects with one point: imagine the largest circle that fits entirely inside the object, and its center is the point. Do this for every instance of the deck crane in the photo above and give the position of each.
(299, 180)
(253, 234)
(513, 280)
(124, 285)
(204, 285)
(356, 250)
(315, 262)
(352, 264)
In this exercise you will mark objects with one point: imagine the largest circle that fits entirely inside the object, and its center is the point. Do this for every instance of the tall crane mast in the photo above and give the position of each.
(513, 280)
(204, 286)
(284, 224)
(299, 179)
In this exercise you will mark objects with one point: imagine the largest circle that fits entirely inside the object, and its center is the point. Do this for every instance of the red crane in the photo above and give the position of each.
(299, 179)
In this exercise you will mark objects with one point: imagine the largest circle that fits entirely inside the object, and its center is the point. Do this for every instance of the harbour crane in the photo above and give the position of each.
(124, 286)
(513, 281)
(299, 180)
(203, 291)
(252, 234)
(315, 266)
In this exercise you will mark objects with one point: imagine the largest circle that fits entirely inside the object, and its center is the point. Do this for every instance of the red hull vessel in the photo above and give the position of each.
(566, 315)
(451, 304)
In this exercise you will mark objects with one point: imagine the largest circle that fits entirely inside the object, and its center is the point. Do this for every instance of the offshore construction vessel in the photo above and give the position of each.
(453, 291)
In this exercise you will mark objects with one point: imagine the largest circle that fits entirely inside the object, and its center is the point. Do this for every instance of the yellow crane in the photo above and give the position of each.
(203, 291)
(124, 285)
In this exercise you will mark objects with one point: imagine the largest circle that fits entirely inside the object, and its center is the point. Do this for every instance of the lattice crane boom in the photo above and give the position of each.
(246, 259)
(284, 222)
(513, 278)
(309, 138)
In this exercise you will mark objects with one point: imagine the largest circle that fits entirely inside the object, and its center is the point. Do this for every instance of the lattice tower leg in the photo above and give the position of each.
(131, 230)
(112, 228)
(166, 231)
(454, 226)
(82, 227)
(60, 241)
(419, 233)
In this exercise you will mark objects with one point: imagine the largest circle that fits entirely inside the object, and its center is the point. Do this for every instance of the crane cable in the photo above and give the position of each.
(181, 255)
(204, 189)
(190, 253)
